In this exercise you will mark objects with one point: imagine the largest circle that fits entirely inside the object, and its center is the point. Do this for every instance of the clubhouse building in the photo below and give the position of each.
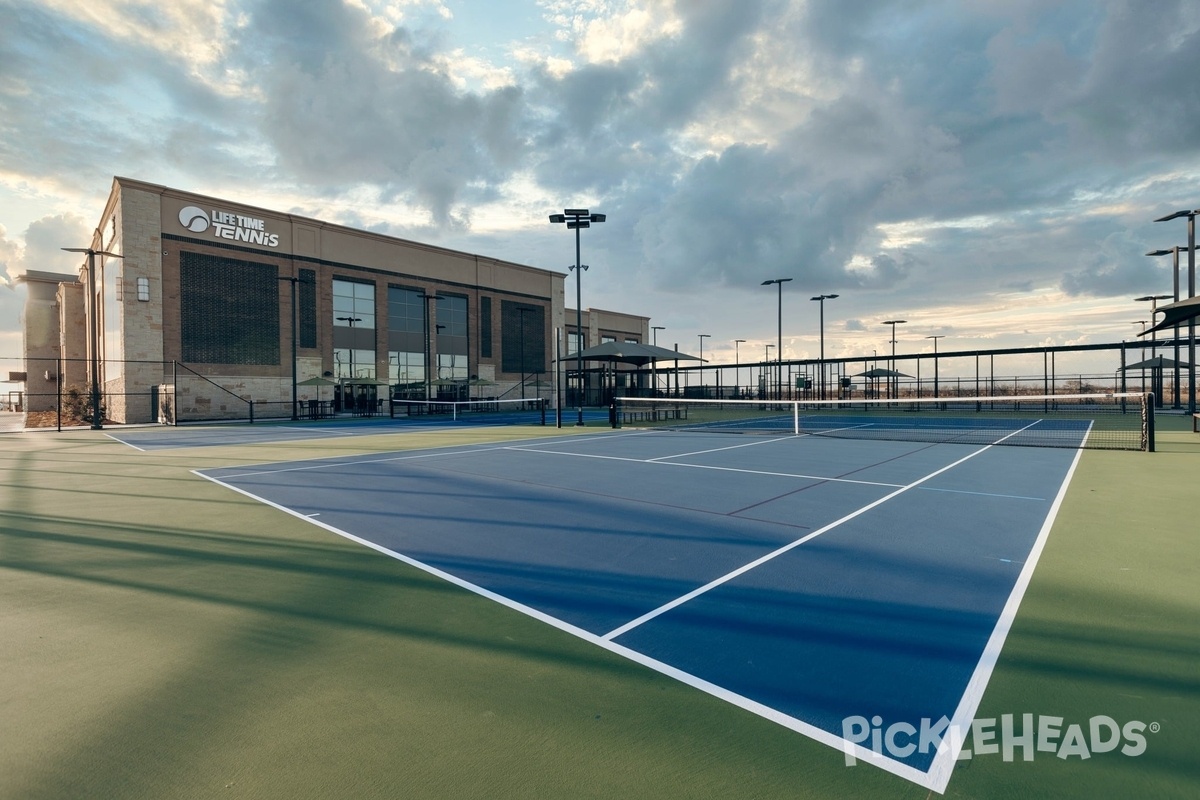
(207, 303)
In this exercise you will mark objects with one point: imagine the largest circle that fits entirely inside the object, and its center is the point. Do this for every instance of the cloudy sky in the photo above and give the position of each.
(988, 170)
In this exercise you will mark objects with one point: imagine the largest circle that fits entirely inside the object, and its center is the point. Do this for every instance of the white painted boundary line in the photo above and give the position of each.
(692, 595)
(817, 734)
(940, 771)
(942, 767)
(352, 459)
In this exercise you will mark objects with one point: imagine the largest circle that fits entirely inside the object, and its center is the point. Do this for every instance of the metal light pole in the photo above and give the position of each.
(1142, 322)
(703, 336)
(1175, 287)
(737, 369)
(893, 382)
(766, 365)
(350, 321)
(779, 373)
(821, 299)
(935, 362)
(522, 311)
(295, 334)
(93, 328)
(654, 329)
(428, 298)
(577, 218)
(1153, 300)
(1191, 247)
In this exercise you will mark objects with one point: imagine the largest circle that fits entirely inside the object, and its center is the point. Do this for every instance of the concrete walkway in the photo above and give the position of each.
(11, 421)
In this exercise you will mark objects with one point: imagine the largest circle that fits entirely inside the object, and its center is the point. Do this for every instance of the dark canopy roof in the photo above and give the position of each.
(1158, 362)
(1175, 314)
(630, 353)
(880, 372)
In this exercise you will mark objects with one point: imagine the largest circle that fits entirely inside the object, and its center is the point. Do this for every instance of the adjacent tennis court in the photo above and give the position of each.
(403, 416)
(804, 579)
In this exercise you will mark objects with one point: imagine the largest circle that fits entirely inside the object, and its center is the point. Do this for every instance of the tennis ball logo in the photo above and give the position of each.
(194, 219)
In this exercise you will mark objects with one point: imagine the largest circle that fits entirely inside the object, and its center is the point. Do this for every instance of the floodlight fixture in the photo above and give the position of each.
(821, 298)
(779, 354)
(576, 219)
(93, 327)
(1191, 251)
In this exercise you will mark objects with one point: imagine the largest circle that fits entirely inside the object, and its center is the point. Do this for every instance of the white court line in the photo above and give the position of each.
(719, 449)
(331, 462)
(628, 626)
(942, 767)
(127, 444)
(939, 773)
(657, 462)
(792, 723)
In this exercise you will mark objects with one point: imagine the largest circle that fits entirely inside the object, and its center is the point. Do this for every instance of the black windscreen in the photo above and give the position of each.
(228, 310)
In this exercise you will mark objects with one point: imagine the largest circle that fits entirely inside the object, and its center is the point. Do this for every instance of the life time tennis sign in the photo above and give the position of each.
(227, 225)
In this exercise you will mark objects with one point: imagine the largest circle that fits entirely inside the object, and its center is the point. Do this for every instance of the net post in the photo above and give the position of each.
(542, 405)
(1148, 423)
(251, 412)
(612, 413)
(796, 418)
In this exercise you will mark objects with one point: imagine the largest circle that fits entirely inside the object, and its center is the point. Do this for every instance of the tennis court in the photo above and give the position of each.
(406, 416)
(804, 579)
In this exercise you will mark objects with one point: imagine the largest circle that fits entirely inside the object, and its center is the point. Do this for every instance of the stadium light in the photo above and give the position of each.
(894, 378)
(295, 333)
(821, 298)
(935, 361)
(94, 328)
(779, 374)
(1191, 248)
(576, 219)
(1174, 251)
(1153, 299)
(737, 377)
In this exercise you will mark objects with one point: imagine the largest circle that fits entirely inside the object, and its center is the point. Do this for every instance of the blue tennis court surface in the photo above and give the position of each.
(807, 580)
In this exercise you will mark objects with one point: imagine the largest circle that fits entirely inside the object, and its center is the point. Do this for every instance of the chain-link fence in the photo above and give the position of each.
(59, 392)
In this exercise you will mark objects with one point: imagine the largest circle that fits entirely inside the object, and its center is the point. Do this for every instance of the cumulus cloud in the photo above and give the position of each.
(902, 152)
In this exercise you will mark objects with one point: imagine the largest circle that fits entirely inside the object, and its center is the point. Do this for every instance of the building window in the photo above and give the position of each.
(452, 343)
(406, 342)
(350, 363)
(353, 329)
(574, 342)
(228, 310)
(522, 338)
(143, 290)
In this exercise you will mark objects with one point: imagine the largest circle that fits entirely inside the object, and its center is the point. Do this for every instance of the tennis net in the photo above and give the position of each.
(499, 412)
(1120, 421)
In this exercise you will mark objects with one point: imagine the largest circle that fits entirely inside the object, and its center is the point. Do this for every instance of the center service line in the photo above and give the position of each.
(628, 626)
